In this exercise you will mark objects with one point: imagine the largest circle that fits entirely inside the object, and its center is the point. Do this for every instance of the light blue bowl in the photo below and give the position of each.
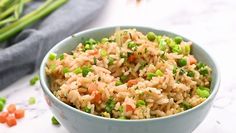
(77, 121)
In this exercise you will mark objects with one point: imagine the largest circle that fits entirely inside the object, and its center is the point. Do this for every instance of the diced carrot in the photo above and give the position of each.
(11, 120)
(192, 60)
(92, 87)
(11, 108)
(97, 97)
(19, 113)
(132, 58)
(129, 108)
(3, 117)
(132, 82)
(94, 52)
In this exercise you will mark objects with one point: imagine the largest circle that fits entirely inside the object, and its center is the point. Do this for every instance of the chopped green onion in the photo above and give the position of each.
(140, 103)
(123, 78)
(87, 110)
(118, 82)
(182, 62)
(110, 61)
(1, 105)
(103, 53)
(176, 49)
(121, 109)
(34, 80)
(104, 40)
(178, 39)
(150, 75)
(159, 73)
(151, 36)
(78, 70)
(94, 60)
(187, 49)
(203, 71)
(65, 70)
(31, 101)
(91, 41)
(181, 71)
(163, 44)
(54, 121)
(110, 104)
(52, 56)
(86, 70)
(61, 57)
(122, 118)
(3, 99)
(175, 70)
(142, 65)
(200, 65)
(203, 92)
(190, 74)
(185, 105)
(132, 45)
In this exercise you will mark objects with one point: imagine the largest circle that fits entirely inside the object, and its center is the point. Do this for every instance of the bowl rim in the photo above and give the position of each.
(63, 42)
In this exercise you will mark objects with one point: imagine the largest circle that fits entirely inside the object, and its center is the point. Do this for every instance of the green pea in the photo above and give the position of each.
(110, 104)
(31, 101)
(182, 62)
(86, 70)
(91, 41)
(140, 103)
(151, 36)
(203, 92)
(163, 45)
(178, 39)
(65, 70)
(52, 56)
(34, 80)
(185, 105)
(132, 45)
(200, 65)
(203, 71)
(103, 53)
(61, 57)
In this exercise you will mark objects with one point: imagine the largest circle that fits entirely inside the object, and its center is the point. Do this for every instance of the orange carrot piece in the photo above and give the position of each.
(192, 60)
(132, 82)
(129, 108)
(3, 117)
(132, 58)
(19, 113)
(11, 120)
(97, 97)
(11, 108)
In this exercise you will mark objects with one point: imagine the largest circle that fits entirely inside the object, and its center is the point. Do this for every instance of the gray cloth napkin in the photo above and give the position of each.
(23, 54)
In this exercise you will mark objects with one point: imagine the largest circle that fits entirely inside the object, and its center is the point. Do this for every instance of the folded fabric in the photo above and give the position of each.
(23, 54)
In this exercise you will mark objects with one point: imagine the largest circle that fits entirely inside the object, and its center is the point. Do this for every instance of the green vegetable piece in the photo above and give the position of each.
(190, 74)
(181, 71)
(123, 78)
(203, 71)
(104, 40)
(65, 70)
(187, 49)
(103, 53)
(61, 57)
(140, 103)
(1, 106)
(34, 80)
(142, 65)
(94, 60)
(159, 73)
(150, 75)
(86, 70)
(178, 39)
(110, 104)
(185, 105)
(203, 92)
(151, 36)
(200, 65)
(87, 110)
(182, 62)
(121, 109)
(122, 118)
(175, 70)
(118, 82)
(54, 121)
(91, 41)
(163, 45)
(53, 67)
(132, 45)
(176, 49)
(52, 56)
(31, 101)
(3, 100)
(110, 61)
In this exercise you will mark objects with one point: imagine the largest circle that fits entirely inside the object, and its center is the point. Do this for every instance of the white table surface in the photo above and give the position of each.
(211, 23)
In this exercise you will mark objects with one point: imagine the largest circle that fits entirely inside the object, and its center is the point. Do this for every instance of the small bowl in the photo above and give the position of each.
(76, 121)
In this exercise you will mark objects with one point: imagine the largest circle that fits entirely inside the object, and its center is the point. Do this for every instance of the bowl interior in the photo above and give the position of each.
(67, 45)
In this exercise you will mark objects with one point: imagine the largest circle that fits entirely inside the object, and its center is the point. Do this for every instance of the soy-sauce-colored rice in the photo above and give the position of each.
(130, 76)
